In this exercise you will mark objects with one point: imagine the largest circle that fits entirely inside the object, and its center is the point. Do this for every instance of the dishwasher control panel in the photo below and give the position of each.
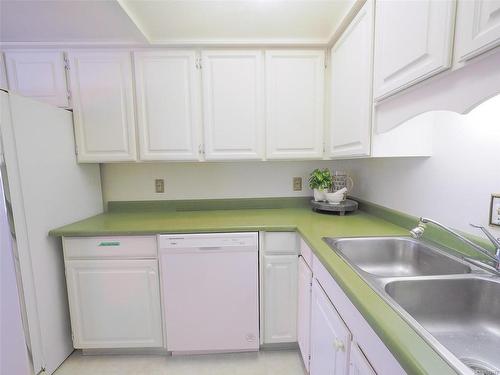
(208, 240)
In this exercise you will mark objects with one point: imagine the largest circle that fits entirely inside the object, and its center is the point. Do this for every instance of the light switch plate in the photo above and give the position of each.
(495, 210)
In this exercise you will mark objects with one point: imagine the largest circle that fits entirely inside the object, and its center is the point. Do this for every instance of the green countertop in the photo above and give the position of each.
(413, 353)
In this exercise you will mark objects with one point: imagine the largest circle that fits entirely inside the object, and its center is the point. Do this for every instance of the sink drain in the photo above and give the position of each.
(479, 367)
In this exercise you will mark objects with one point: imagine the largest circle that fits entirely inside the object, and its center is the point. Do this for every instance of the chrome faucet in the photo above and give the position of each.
(418, 231)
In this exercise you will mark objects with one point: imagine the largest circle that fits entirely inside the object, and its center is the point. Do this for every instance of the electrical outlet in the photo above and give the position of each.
(297, 184)
(159, 185)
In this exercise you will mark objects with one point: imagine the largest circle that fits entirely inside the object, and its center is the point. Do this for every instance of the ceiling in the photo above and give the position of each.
(254, 20)
(171, 21)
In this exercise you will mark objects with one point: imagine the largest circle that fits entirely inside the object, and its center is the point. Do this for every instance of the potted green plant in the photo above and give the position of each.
(320, 180)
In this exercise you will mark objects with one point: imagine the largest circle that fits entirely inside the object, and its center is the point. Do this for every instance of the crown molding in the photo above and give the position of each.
(345, 22)
(291, 42)
(68, 44)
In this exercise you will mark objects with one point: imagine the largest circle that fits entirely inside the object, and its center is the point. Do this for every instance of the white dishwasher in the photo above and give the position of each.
(210, 292)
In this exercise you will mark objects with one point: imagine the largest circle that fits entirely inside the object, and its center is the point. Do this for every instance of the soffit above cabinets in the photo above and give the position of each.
(173, 22)
(71, 22)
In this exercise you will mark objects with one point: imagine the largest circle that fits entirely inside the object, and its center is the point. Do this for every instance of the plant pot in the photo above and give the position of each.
(319, 194)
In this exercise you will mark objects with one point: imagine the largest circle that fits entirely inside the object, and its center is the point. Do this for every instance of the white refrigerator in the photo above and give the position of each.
(43, 188)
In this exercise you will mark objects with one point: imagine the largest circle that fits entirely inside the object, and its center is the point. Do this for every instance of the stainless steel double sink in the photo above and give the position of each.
(454, 305)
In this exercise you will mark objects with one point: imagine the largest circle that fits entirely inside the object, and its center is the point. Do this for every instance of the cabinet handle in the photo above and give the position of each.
(109, 243)
(339, 345)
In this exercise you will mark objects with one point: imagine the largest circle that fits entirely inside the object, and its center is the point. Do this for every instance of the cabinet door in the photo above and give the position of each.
(295, 95)
(330, 338)
(412, 42)
(280, 298)
(103, 107)
(3, 73)
(358, 364)
(351, 88)
(114, 303)
(304, 310)
(38, 74)
(168, 105)
(233, 104)
(478, 27)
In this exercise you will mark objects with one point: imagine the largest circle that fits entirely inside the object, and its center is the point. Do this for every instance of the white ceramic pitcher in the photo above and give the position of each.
(340, 180)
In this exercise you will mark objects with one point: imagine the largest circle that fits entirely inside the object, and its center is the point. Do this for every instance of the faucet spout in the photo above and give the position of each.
(418, 231)
(494, 241)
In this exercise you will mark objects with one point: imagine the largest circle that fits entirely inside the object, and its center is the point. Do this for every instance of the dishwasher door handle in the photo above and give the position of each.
(208, 248)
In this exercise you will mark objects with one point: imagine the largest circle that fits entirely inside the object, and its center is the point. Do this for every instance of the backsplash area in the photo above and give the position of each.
(454, 185)
(207, 180)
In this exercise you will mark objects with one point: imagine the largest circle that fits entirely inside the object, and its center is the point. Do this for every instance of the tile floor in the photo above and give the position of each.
(280, 362)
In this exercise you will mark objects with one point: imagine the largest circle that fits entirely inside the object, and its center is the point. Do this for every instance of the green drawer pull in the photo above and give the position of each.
(109, 243)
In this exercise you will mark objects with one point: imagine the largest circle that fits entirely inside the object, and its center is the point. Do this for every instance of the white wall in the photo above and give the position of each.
(206, 180)
(454, 185)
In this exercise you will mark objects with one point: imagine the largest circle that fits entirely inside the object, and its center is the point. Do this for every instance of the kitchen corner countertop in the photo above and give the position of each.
(413, 353)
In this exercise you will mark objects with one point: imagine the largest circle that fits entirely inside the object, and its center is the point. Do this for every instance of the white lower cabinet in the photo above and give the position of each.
(280, 298)
(358, 364)
(304, 311)
(342, 341)
(330, 338)
(278, 287)
(114, 303)
(333, 336)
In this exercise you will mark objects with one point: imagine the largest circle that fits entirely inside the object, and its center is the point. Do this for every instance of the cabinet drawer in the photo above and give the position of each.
(281, 242)
(306, 252)
(110, 247)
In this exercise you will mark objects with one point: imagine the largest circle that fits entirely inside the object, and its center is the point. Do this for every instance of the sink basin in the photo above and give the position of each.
(396, 256)
(463, 314)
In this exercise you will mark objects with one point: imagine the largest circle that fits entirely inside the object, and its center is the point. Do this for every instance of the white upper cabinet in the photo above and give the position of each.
(412, 42)
(351, 87)
(3, 74)
(168, 104)
(233, 104)
(295, 103)
(103, 105)
(478, 27)
(38, 74)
